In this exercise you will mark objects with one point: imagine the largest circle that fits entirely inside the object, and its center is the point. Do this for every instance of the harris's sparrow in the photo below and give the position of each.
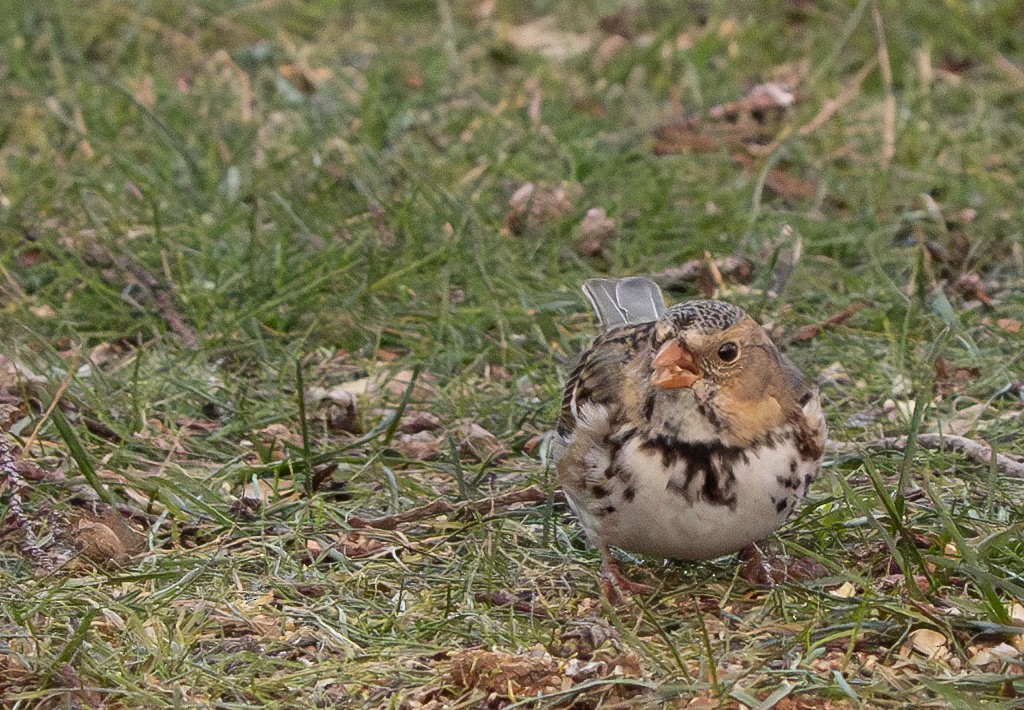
(684, 432)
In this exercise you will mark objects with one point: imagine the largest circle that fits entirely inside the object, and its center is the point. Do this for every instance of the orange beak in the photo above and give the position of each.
(674, 367)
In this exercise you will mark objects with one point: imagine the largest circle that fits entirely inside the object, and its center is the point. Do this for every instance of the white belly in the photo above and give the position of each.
(666, 519)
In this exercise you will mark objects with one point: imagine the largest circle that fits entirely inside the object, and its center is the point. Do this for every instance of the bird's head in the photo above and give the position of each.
(704, 340)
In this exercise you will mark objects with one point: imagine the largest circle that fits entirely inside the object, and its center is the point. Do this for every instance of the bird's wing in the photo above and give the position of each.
(600, 376)
(799, 386)
(627, 301)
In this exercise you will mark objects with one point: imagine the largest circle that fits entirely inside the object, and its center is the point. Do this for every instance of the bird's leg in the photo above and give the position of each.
(613, 582)
(750, 552)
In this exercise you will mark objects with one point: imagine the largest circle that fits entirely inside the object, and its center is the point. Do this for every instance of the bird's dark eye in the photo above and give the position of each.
(728, 351)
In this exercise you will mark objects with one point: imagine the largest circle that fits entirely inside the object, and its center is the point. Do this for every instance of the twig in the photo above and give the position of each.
(973, 450)
(144, 280)
(811, 331)
(162, 300)
(46, 415)
(532, 494)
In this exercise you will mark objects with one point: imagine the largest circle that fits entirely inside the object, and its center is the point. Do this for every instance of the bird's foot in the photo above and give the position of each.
(761, 570)
(614, 583)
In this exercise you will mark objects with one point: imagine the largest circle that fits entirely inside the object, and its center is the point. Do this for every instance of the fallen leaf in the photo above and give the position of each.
(532, 444)
(522, 603)
(42, 311)
(834, 375)
(544, 37)
(305, 79)
(534, 672)
(106, 538)
(535, 206)
(477, 442)
(263, 491)
(846, 590)
(929, 643)
(952, 380)
(1010, 325)
(394, 384)
(755, 118)
(358, 545)
(336, 406)
(789, 187)
(964, 420)
(420, 446)
(610, 47)
(971, 287)
(412, 76)
(423, 391)
(769, 570)
(732, 269)
(274, 435)
(415, 422)
(621, 23)
(584, 637)
(808, 332)
(594, 232)
(14, 374)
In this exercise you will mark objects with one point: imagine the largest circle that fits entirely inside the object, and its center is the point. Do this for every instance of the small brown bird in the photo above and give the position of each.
(684, 433)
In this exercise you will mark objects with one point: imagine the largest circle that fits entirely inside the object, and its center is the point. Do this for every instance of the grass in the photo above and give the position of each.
(208, 210)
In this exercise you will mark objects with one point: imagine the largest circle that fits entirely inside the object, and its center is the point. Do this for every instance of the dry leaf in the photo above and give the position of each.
(42, 311)
(929, 643)
(359, 545)
(609, 48)
(102, 355)
(531, 673)
(808, 332)
(964, 420)
(594, 232)
(14, 374)
(833, 375)
(971, 287)
(337, 406)
(544, 37)
(305, 79)
(584, 637)
(394, 384)
(107, 538)
(265, 491)
(421, 446)
(621, 23)
(414, 422)
(952, 380)
(756, 118)
(423, 391)
(732, 269)
(844, 591)
(412, 76)
(1010, 325)
(273, 435)
(477, 442)
(535, 206)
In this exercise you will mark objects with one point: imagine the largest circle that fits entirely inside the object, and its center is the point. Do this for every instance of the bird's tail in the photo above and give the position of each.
(619, 302)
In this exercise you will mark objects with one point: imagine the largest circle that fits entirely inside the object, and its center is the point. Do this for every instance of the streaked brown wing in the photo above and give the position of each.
(598, 376)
